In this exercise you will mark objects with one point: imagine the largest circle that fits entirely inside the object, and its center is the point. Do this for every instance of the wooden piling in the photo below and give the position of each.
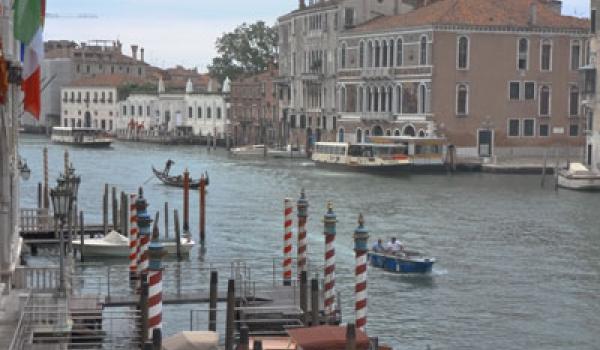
(40, 194)
(166, 220)
(314, 300)
(105, 210)
(544, 169)
(115, 209)
(230, 321)
(244, 338)
(350, 337)
(202, 210)
(157, 339)
(177, 234)
(304, 297)
(212, 306)
(46, 189)
(186, 201)
(258, 345)
(144, 306)
(556, 176)
(82, 237)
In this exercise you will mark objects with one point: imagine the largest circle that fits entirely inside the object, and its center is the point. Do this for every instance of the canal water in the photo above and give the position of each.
(518, 266)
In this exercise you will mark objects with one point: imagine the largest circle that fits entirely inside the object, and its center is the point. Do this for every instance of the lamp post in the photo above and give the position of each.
(61, 202)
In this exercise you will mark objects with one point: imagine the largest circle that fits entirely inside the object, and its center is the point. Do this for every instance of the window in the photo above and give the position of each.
(530, 90)
(410, 98)
(124, 110)
(529, 127)
(132, 110)
(523, 53)
(358, 135)
(463, 52)
(544, 101)
(391, 49)
(343, 56)
(574, 130)
(377, 54)
(140, 111)
(423, 97)
(148, 111)
(218, 112)
(384, 53)
(423, 51)
(593, 21)
(399, 54)
(190, 112)
(514, 90)
(514, 127)
(361, 55)
(208, 113)
(573, 100)
(462, 99)
(544, 130)
(546, 52)
(341, 135)
(349, 17)
(575, 54)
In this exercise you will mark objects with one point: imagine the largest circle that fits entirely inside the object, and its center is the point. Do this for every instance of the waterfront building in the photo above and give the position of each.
(496, 78)
(308, 61)
(590, 89)
(255, 109)
(166, 113)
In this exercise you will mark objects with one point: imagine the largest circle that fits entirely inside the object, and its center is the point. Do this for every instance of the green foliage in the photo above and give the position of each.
(248, 49)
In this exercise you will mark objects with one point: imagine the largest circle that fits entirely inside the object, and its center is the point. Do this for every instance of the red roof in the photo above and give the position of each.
(326, 337)
(108, 80)
(515, 13)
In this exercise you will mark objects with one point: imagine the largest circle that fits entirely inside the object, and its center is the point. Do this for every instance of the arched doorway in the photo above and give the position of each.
(409, 130)
(377, 131)
(88, 120)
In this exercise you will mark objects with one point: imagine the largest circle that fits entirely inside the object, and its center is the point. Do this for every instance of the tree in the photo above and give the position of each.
(248, 49)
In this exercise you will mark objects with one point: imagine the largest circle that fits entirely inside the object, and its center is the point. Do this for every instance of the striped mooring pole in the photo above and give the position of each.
(329, 221)
(156, 252)
(302, 206)
(133, 237)
(287, 243)
(361, 237)
(143, 223)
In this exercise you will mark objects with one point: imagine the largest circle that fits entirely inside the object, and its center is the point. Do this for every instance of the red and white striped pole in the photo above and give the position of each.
(143, 223)
(361, 237)
(287, 243)
(329, 222)
(133, 237)
(155, 252)
(302, 206)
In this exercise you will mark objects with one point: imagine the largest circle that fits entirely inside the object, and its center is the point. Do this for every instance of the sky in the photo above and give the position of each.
(176, 32)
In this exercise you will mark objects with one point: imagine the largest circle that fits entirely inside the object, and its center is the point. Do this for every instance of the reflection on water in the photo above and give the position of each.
(518, 266)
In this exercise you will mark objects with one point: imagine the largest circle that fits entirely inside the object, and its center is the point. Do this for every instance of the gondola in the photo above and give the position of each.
(176, 181)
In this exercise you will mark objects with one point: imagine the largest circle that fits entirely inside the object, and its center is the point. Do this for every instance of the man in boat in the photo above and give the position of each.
(378, 247)
(168, 166)
(394, 246)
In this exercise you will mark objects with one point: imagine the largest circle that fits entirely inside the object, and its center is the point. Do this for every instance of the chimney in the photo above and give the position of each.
(134, 49)
(142, 54)
(302, 4)
(533, 14)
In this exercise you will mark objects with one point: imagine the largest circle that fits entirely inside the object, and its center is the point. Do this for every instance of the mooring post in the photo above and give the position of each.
(186, 201)
(544, 169)
(82, 238)
(143, 221)
(202, 210)
(40, 194)
(46, 189)
(105, 210)
(156, 252)
(329, 221)
(124, 219)
(244, 338)
(287, 243)
(66, 163)
(350, 337)
(314, 301)
(144, 306)
(177, 234)
(157, 339)
(304, 297)
(556, 176)
(115, 210)
(361, 238)
(212, 305)
(230, 320)
(166, 221)
(302, 206)
(257, 345)
(133, 238)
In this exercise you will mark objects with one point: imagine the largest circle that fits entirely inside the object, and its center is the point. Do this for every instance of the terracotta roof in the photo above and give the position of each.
(110, 80)
(513, 13)
(317, 5)
(326, 337)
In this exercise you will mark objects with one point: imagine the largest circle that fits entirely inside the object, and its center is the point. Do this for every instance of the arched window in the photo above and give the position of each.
(575, 55)
(423, 99)
(399, 53)
(199, 112)
(361, 55)
(409, 130)
(545, 100)
(343, 99)
(341, 135)
(78, 123)
(218, 112)
(190, 112)
(366, 135)
(370, 54)
(546, 58)
(574, 101)
(399, 99)
(396, 132)
(462, 99)
(384, 53)
(377, 130)
(360, 99)
(377, 54)
(358, 135)
(463, 52)
(391, 53)
(208, 113)
(523, 54)
(388, 132)
(343, 56)
(369, 103)
(390, 100)
(376, 99)
(423, 54)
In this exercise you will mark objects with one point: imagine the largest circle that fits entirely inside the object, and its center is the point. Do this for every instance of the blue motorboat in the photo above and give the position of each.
(402, 262)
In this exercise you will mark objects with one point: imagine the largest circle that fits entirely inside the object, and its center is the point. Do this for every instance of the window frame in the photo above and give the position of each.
(423, 50)
(533, 128)
(540, 130)
(541, 87)
(575, 42)
(467, 53)
(508, 128)
(569, 93)
(525, 90)
(576, 125)
(550, 61)
(526, 54)
(399, 52)
(458, 90)
(510, 84)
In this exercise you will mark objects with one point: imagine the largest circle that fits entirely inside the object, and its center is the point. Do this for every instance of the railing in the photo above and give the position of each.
(36, 220)
(37, 279)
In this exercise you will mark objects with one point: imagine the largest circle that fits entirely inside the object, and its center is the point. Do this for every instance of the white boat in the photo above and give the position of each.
(383, 154)
(116, 245)
(76, 136)
(286, 152)
(577, 176)
(252, 150)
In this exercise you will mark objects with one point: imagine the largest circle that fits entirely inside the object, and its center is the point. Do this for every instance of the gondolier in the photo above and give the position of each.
(168, 167)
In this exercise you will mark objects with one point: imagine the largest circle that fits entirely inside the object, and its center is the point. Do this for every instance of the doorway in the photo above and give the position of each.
(485, 142)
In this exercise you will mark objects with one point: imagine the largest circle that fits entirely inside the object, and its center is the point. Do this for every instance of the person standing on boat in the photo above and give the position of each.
(378, 247)
(168, 166)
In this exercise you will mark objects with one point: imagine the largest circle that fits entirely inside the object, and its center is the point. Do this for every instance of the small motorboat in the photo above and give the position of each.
(249, 151)
(116, 245)
(577, 176)
(286, 152)
(402, 262)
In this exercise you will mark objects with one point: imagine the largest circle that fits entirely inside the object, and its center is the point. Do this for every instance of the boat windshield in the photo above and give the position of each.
(377, 150)
(331, 149)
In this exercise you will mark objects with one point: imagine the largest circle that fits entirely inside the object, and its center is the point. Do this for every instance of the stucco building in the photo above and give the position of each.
(590, 93)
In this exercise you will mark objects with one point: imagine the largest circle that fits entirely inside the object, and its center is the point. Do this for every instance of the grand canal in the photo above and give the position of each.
(518, 266)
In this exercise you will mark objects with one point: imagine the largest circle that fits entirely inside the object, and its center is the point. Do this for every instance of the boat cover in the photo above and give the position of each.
(115, 237)
(326, 337)
(192, 341)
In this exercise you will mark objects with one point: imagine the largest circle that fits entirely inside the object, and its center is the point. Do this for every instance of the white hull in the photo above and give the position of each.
(99, 247)
(578, 177)
(249, 151)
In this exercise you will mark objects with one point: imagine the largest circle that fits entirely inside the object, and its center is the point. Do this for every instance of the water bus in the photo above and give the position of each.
(79, 136)
(384, 153)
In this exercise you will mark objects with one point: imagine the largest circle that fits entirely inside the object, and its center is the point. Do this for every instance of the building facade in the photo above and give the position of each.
(255, 109)
(494, 82)
(308, 61)
(590, 93)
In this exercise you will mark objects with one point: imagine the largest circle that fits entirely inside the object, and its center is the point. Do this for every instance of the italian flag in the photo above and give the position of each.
(28, 28)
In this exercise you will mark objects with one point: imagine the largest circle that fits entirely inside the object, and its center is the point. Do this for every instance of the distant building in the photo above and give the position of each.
(254, 109)
(590, 93)
(497, 78)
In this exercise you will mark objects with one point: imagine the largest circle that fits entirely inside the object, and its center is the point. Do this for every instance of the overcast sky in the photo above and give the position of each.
(176, 31)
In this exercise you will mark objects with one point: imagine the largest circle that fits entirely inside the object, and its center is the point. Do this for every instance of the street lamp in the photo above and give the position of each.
(61, 202)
